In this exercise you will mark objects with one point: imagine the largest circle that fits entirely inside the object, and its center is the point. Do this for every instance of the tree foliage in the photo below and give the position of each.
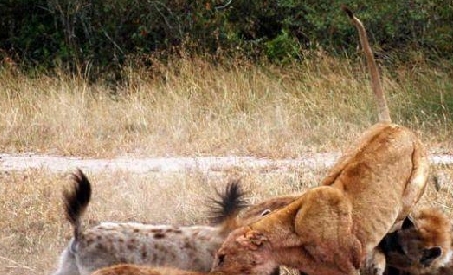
(103, 33)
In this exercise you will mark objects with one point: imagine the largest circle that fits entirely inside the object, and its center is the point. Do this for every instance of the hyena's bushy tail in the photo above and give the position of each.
(383, 110)
(76, 200)
(225, 208)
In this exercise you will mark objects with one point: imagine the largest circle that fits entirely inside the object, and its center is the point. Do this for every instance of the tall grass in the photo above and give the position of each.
(190, 106)
(34, 232)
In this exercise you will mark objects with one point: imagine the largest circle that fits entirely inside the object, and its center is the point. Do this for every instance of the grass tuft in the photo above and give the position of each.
(190, 106)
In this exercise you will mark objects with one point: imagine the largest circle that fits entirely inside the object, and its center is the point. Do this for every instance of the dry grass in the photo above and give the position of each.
(192, 107)
(34, 232)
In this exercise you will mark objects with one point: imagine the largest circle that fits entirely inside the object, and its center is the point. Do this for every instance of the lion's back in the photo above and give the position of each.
(376, 173)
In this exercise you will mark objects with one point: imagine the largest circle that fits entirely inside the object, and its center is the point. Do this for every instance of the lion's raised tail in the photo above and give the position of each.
(76, 200)
(225, 208)
(384, 113)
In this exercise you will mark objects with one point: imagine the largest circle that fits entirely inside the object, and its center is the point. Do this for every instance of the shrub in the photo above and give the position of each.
(99, 35)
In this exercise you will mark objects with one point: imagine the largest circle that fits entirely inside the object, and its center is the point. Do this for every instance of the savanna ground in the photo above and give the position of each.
(190, 107)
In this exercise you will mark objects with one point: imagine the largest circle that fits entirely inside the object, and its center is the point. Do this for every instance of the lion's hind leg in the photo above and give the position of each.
(417, 182)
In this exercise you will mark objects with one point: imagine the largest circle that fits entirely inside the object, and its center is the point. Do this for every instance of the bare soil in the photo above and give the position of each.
(20, 162)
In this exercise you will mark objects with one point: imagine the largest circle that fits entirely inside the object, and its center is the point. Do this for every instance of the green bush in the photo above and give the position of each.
(282, 48)
(99, 35)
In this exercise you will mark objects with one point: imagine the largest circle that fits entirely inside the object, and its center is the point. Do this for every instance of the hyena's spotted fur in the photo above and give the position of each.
(189, 248)
(126, 269)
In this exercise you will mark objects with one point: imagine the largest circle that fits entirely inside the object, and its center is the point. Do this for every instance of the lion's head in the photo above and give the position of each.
(246, 251)
(423, 243)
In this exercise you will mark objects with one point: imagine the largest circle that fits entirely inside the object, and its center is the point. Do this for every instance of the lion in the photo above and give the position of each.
(336, 228)
(110, 243)
(422, 246)
(255, 212)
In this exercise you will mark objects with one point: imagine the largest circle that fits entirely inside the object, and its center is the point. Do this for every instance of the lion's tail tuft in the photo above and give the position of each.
(225, 208)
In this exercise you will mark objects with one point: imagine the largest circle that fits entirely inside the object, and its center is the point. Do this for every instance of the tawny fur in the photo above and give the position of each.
(422, 247)
(126, 269)
(110, 243)
(335, 228)
(276, 238)
(257, 211)
(384, 112)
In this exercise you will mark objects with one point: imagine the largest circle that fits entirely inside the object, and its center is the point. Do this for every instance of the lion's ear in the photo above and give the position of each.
(252, 239)
(265, 212)
(390, 243)
(430, 254)
(408, 223)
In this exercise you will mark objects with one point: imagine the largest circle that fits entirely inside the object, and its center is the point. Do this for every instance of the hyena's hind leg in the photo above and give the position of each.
(67, 264)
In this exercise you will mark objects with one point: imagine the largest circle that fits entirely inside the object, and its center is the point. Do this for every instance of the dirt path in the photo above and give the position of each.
(18, 162)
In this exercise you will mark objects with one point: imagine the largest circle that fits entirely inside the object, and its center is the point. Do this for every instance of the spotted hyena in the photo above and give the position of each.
(111, 243)
(127, 269)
